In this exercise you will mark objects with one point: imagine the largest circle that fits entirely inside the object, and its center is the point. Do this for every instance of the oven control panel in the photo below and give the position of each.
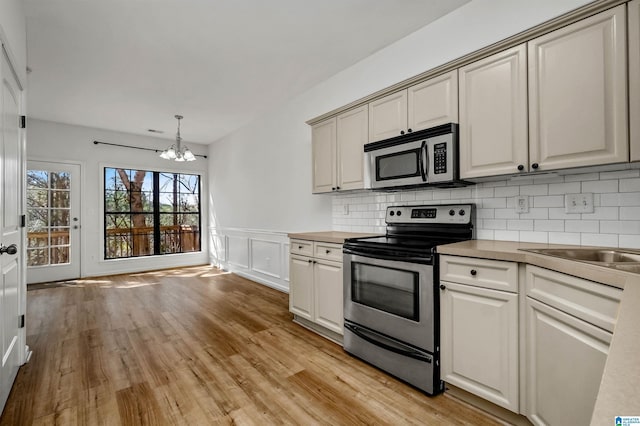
(446, 213)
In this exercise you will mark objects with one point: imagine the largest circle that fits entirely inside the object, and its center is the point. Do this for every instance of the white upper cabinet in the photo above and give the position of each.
(338, 151)
(352, 136)
(388, 116)
(493, 114)
(427, 104)
(634, 78)
(323, 146)
(433, 102)
(578, 94)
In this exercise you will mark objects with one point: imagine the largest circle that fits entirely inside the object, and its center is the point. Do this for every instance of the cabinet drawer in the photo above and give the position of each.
(328, 251)
(302, 247)
(592, 302)
(495, 274)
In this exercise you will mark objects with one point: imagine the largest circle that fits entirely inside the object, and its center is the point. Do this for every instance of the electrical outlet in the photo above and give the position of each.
(522, 204)
(345, 209)
(578, 203)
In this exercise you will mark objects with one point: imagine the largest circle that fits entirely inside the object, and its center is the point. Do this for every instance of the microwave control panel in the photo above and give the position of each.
(440, 158)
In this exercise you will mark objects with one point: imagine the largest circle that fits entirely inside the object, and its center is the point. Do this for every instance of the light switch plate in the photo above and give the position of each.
(578, 203)
(522, 204)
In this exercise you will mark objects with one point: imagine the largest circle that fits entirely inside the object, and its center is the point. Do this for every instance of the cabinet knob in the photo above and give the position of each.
(333, 189)
(402, 132)
(409, 130)
(328, 251)
(520, 167)
(315, 261)
(443, 287)
(337, 187)
(473, 272)
(535, 165)
(299, 247)
(309, 260)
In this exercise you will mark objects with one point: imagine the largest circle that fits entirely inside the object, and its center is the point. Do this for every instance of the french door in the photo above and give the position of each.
(53, 221)
(12, 287)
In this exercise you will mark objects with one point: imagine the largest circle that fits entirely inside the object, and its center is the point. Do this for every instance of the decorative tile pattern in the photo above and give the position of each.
(615, 221)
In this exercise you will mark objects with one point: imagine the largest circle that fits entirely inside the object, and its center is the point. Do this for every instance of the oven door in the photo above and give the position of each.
(397, 165)
(392, 297)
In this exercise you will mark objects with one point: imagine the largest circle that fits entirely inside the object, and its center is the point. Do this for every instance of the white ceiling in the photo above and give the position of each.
(131, 65)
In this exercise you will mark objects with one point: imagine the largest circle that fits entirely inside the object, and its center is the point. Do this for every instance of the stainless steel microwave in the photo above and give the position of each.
(426, 157)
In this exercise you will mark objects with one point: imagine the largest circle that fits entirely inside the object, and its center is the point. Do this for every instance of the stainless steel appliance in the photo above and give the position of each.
(391, 298)
(426, 157)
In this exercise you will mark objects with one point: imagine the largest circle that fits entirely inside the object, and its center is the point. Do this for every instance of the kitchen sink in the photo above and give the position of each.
(591, 255)
(628, 267)
(620, 259)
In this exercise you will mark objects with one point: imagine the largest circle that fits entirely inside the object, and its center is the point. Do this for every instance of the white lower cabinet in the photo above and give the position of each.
(327, 295)
(537, 348)
(479, 339)
(569, 325)
(315, 284)
(566, 358)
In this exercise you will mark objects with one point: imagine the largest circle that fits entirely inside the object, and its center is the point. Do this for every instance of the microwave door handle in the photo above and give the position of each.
(424, 161)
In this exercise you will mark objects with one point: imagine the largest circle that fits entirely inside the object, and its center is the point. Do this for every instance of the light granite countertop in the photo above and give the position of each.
(336, 237)
(620, 386)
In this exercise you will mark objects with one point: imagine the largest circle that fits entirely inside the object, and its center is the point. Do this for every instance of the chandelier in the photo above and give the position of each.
(176, 151)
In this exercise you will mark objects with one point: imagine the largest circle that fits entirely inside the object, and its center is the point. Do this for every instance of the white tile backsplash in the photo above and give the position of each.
(615, 221)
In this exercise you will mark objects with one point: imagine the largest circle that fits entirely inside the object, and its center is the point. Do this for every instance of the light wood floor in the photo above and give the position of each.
(196, 346)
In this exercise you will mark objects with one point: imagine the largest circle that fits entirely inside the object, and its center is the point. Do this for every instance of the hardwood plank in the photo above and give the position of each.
(195, 346)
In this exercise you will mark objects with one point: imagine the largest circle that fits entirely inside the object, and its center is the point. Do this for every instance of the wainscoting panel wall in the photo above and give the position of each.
(262, 256)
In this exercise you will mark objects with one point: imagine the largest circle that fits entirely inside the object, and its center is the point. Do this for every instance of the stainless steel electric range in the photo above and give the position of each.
(391, 297)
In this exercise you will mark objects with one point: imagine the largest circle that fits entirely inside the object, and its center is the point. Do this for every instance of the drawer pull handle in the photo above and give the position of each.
(474, 272)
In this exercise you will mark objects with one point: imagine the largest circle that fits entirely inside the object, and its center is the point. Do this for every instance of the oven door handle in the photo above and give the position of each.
(378, 255)
(424, 161)
(388, 344)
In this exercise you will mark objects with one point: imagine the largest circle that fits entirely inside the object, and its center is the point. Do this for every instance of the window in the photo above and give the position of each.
(150, 213)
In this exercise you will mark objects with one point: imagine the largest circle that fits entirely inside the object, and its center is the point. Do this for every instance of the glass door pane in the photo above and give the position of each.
(53, 221)
(48, 217)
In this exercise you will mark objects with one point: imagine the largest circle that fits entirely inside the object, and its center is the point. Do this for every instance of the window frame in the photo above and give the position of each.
(155, 212)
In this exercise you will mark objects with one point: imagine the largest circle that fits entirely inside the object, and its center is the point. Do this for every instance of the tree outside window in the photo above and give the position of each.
(150, 213)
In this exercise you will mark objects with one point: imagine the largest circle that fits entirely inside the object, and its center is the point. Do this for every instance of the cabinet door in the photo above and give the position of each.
(578, 93)
(493, 114)
(328, 295)
(634, 78)
(323, 145)
(566, 358)
(353, 131)
(433, 102)
(479, 339)
(301, 286)
(388, 116)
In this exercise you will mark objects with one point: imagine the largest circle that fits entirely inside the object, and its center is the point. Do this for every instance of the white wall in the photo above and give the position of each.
(260, 176)
(48, 141)
(13, 32)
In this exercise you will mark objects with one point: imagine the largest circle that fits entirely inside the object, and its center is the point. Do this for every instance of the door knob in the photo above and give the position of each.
(12, 249)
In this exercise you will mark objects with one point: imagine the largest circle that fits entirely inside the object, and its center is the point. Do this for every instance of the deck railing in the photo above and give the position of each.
(120, 242)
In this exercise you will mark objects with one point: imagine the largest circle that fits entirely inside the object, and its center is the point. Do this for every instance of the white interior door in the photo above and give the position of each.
(11, 240)
(53, 221)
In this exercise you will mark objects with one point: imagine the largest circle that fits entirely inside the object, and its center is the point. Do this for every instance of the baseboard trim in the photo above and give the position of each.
(318, 329)
(501, 414)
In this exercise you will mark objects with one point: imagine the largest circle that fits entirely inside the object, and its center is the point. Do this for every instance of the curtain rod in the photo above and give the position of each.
(137, 147)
